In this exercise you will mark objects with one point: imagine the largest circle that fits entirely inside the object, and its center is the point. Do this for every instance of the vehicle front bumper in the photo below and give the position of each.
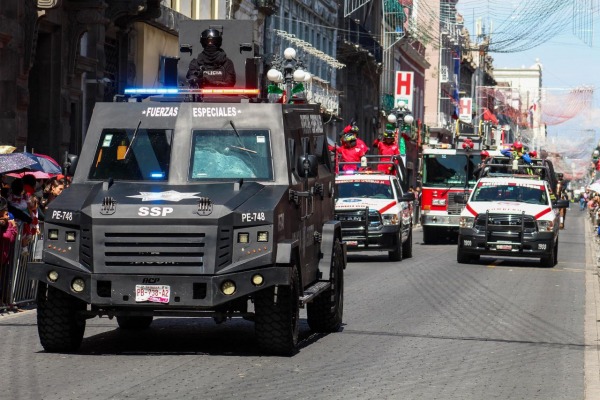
(186, 291)
(383, 239)
(441, 220)
(537, 244)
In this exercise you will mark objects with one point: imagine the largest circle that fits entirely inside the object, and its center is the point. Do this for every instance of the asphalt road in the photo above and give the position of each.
(424, 328)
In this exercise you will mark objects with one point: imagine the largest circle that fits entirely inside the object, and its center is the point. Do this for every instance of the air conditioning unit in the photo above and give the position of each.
(444, 74)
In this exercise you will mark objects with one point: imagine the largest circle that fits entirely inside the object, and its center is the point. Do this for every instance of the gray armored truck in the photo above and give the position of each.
(221, 208)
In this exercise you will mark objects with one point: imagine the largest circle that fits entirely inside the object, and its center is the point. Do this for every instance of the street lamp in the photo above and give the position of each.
(402, 114)
(290, 73)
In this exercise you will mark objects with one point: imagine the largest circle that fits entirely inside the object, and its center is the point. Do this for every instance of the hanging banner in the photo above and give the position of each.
(404, 89)
(465, 109)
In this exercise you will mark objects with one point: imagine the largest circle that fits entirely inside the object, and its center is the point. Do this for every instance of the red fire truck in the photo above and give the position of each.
(446, 173)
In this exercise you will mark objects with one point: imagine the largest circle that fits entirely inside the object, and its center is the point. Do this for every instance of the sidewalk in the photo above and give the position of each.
(592, 312)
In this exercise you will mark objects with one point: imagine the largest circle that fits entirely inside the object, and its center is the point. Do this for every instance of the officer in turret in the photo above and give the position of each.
(212, 68)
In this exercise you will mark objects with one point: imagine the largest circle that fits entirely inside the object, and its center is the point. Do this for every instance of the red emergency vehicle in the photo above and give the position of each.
(446, 173)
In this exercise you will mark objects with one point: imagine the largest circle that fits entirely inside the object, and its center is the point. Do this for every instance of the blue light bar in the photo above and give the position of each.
(204, 91)
(151, 91)
(157, 175)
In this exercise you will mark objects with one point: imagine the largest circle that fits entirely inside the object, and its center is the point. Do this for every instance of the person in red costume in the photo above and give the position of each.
(351, 150)
(387, 146)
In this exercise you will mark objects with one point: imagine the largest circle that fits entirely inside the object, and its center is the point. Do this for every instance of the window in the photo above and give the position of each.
(374, 189)
(449, 169)
(133, 155)
(231, 154)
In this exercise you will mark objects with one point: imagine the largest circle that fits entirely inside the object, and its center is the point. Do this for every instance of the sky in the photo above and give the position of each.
(567, 62)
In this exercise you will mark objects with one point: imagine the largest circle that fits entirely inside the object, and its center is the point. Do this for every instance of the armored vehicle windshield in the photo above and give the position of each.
(132, 155)
(231, 154)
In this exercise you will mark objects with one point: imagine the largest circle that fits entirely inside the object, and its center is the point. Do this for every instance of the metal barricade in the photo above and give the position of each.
(16, 289)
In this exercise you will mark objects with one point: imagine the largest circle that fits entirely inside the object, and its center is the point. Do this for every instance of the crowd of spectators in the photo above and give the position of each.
(23, 202)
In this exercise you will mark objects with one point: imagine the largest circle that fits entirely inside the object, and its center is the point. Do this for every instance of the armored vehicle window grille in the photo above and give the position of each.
(133, 155)
(154, 248)
(221, 154)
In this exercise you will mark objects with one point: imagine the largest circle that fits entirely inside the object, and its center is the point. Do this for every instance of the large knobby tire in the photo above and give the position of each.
(60, 322)
(407, 246)
(325, 313)
(135, 323)
(396, 254)
(277, 319)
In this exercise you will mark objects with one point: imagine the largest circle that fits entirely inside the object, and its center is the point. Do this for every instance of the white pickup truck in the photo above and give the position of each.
(513, 216)
(375, 213)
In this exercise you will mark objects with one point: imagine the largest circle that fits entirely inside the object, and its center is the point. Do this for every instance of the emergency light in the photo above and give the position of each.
(203, 91)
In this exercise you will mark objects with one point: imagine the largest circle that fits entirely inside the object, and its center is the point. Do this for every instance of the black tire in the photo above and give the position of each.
(407, 246)
(428, 235)
(325, 313)
(60, 322)
(550, 260)
(136, 323)
(396, 254)
(277, 320)
(462, 257)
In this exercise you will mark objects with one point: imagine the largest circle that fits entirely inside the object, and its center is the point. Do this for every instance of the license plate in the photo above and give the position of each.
(352, 243)
(504, 247)
(152, 293)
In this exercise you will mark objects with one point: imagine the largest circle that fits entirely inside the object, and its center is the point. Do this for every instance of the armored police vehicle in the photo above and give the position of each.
(221, 208)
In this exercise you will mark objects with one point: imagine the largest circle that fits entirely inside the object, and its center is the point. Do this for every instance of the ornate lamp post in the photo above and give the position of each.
(402, 119)
(290, 73)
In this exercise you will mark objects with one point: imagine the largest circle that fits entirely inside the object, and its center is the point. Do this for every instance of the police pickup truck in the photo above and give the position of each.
(512, 215)
(375, 213)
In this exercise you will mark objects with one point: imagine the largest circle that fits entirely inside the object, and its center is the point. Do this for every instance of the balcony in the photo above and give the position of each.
(355, 36)
(267, 7)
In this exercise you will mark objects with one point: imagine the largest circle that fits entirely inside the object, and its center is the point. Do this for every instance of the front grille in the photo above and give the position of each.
(503, 222)
(506, 227)
(134, 248)
(454, 208)
(158, 248)
(357, 222)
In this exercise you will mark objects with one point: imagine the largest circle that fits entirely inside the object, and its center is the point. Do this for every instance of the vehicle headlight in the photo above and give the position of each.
(438, 202)
(390, 219)
(466, 222)
(546, 226)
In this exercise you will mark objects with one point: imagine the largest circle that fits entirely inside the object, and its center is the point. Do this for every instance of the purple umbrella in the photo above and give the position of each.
(15, 162)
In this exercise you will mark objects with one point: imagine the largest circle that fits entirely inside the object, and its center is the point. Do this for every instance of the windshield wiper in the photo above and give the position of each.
(132, 140)
(241, 146)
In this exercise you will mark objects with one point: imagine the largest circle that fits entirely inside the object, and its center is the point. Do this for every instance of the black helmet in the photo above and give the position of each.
(213, 35)
(389, 134)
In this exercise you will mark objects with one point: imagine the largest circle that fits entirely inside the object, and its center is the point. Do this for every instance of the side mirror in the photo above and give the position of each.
(408, 196)
(185, 48)
(70, 164)
(308, 166)
(459, 198)
(561, 203)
